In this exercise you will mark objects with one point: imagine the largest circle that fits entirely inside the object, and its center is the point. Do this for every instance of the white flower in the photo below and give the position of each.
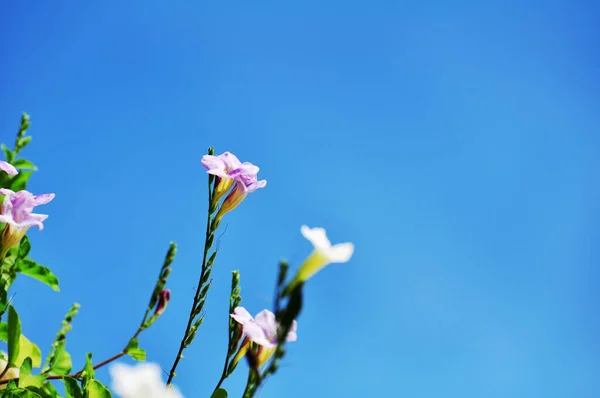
(11, 373)
(140, 381)
(323, 254)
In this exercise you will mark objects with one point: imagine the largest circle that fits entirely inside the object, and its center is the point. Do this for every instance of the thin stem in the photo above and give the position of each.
(226, 365)
(248, 391)
(198, 288)
(98, 365)
(74, 375)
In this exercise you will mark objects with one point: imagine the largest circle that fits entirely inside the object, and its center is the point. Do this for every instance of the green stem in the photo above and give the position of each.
(226, 365)
(197, 296)
(249, 391)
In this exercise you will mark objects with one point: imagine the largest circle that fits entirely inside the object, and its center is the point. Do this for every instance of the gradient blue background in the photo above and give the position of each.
(456, 144)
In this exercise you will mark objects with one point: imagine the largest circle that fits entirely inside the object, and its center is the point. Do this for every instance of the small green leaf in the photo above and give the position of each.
(61, 364)
(60, 340)
(96, 389)
(23, 164)
(88, 369)
(23, 142)
(72, 388)
(219, 393)
(134, 351)
(24, 247)
(43, 274)
(7, 152)
(20, 393)
(26, 379)
(25, 367)
(138, 354)
(14, 335)
(46, 391)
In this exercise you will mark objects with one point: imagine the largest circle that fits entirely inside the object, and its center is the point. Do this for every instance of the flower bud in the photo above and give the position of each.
(163, 300)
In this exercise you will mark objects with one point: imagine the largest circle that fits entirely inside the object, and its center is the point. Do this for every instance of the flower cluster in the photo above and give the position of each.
(259, 338)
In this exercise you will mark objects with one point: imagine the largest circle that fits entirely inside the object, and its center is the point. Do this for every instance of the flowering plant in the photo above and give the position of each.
(260, 339)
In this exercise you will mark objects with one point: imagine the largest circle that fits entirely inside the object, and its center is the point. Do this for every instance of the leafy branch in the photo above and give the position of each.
(59, 361)
(196, 316)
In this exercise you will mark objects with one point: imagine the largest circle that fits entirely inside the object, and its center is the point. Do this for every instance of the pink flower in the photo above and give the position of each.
(230, 170)
(17, 213)
(8, 168)
(262, 330)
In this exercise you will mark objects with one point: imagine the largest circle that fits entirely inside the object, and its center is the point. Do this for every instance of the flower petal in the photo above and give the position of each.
(256, 185)
(43, 198)
(316, 236)
(8, 168)
(211, 162)
(231, 161)
(241, 315)
(340, 253)
(266, 320)
(245, 168)
(257, 334)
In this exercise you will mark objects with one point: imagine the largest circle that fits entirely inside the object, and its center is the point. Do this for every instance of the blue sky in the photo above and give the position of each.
(455, 143)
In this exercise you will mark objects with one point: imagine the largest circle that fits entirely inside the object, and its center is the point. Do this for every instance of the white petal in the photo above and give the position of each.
(340, 253)
(316, 236)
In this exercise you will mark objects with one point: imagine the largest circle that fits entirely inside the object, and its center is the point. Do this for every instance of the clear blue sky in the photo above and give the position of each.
(456, 144)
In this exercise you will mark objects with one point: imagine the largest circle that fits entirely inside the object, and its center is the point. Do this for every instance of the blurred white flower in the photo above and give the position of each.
(140, 381)
(324, 253)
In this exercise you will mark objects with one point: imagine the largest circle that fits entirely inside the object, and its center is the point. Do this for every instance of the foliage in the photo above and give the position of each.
(21, 371)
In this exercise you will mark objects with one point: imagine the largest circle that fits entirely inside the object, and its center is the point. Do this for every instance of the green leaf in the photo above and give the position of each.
(27, 348)
(96, 389)
(19, 182)
(23, 164)
(7, 152)
(25, 367)
(72, 388)
(88, 369)
(23, 142)
(43, 274)
(26, 379)
(61, 364)
(134, 351)
(60, 338)
(219, 393)
(24, 247)
(14, 335)
(46, 391)
(20, 393)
